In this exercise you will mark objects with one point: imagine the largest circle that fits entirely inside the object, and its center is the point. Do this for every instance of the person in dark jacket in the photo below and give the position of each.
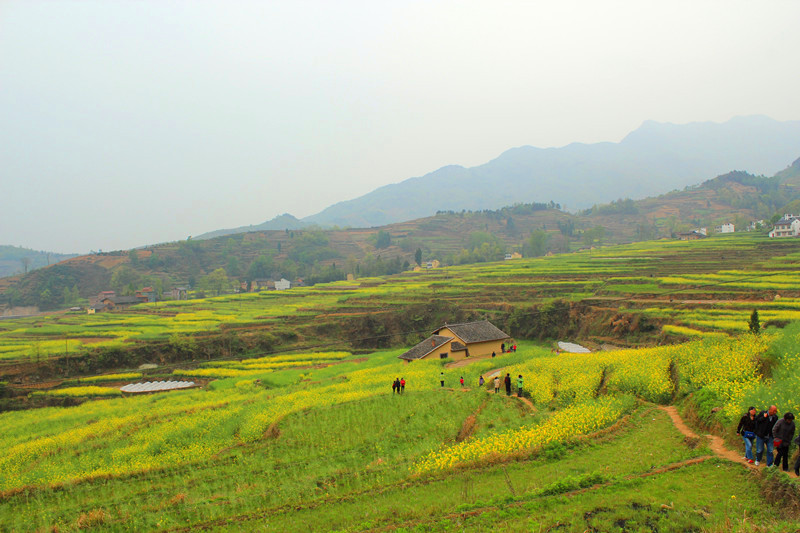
(507, 381)
(747, 429)
(783, 431)
(765, 420)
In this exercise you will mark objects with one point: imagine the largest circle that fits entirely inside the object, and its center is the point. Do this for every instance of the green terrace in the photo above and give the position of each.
(654, 278)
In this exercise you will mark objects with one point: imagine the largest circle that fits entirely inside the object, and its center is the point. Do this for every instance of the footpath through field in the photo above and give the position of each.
(715, 443)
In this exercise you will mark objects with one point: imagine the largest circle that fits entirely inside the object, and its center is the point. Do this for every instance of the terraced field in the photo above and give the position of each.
(706, 286)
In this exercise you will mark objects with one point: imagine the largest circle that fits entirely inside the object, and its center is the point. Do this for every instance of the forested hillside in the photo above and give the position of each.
(17, 260)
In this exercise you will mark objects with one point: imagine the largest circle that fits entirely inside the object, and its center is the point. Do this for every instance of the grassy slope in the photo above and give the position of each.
(359, 483)
(346, 465)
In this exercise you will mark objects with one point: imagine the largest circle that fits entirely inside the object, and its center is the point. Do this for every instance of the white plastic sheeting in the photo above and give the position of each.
(570, 347)
(155, 386)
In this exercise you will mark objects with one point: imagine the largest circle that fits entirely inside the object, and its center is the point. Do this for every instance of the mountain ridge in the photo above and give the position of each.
(653, 159)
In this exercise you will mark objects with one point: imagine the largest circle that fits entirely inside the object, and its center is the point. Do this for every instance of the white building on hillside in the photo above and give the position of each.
(725, 228)
(788, 226)
(283, 284)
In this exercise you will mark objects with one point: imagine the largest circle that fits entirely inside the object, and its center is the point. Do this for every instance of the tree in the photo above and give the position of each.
(567, 227)
(755, 325)
(384, 239)
(216, 281)
(537, 243)
(71, 296)
(260, 268)
(596, 234)
(418, 256)
(124, 278)
(233, 265)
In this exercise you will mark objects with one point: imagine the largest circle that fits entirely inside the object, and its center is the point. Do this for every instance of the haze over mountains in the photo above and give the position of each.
(653, 159)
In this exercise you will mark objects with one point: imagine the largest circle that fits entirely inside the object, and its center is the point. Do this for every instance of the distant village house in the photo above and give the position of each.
(787, 226)
(725, 228)
(146, 295)
(693, 235)
(180, 293)
(258, 285)
(459, 341)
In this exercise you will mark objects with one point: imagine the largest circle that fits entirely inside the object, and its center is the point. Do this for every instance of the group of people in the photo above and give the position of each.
(482, 382)
(507, 383)
(399, 385)
(768, 432)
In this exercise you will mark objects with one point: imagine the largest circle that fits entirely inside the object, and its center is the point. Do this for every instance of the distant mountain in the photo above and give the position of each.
(281, 222)
(654, 159)
(18, 260)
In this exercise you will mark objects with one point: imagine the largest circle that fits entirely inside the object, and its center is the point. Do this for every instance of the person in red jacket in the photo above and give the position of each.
(402, 385)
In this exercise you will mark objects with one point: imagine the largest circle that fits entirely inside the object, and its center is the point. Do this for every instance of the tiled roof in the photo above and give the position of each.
(425, 347)
(122, 300)
(470, 332)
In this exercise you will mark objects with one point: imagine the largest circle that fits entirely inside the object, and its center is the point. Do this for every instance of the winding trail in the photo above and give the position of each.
(715, 443)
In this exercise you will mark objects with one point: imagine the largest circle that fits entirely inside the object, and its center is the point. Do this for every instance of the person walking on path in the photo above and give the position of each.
(519, 386)
(783, 431)
(747, 428)
(441, 378)
(402, 385)
(765, 420)
(508, 384)
(481, 381)
(496, 384)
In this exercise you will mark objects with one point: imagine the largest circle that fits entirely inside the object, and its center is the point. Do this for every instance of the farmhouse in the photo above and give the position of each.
(691, 235)
(94, 301)
(180, 293)
(725, 228)
(788, 226)
(147, 294)
(459, 341)
(116, 302)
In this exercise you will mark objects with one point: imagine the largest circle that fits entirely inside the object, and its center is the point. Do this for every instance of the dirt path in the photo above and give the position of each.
(715, 443)
(526, 402)
(467, 361)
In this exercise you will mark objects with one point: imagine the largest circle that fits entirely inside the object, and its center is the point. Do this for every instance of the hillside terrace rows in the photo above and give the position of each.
(665, 280)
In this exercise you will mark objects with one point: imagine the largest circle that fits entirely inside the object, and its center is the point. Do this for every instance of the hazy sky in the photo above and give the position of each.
(125, 123)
